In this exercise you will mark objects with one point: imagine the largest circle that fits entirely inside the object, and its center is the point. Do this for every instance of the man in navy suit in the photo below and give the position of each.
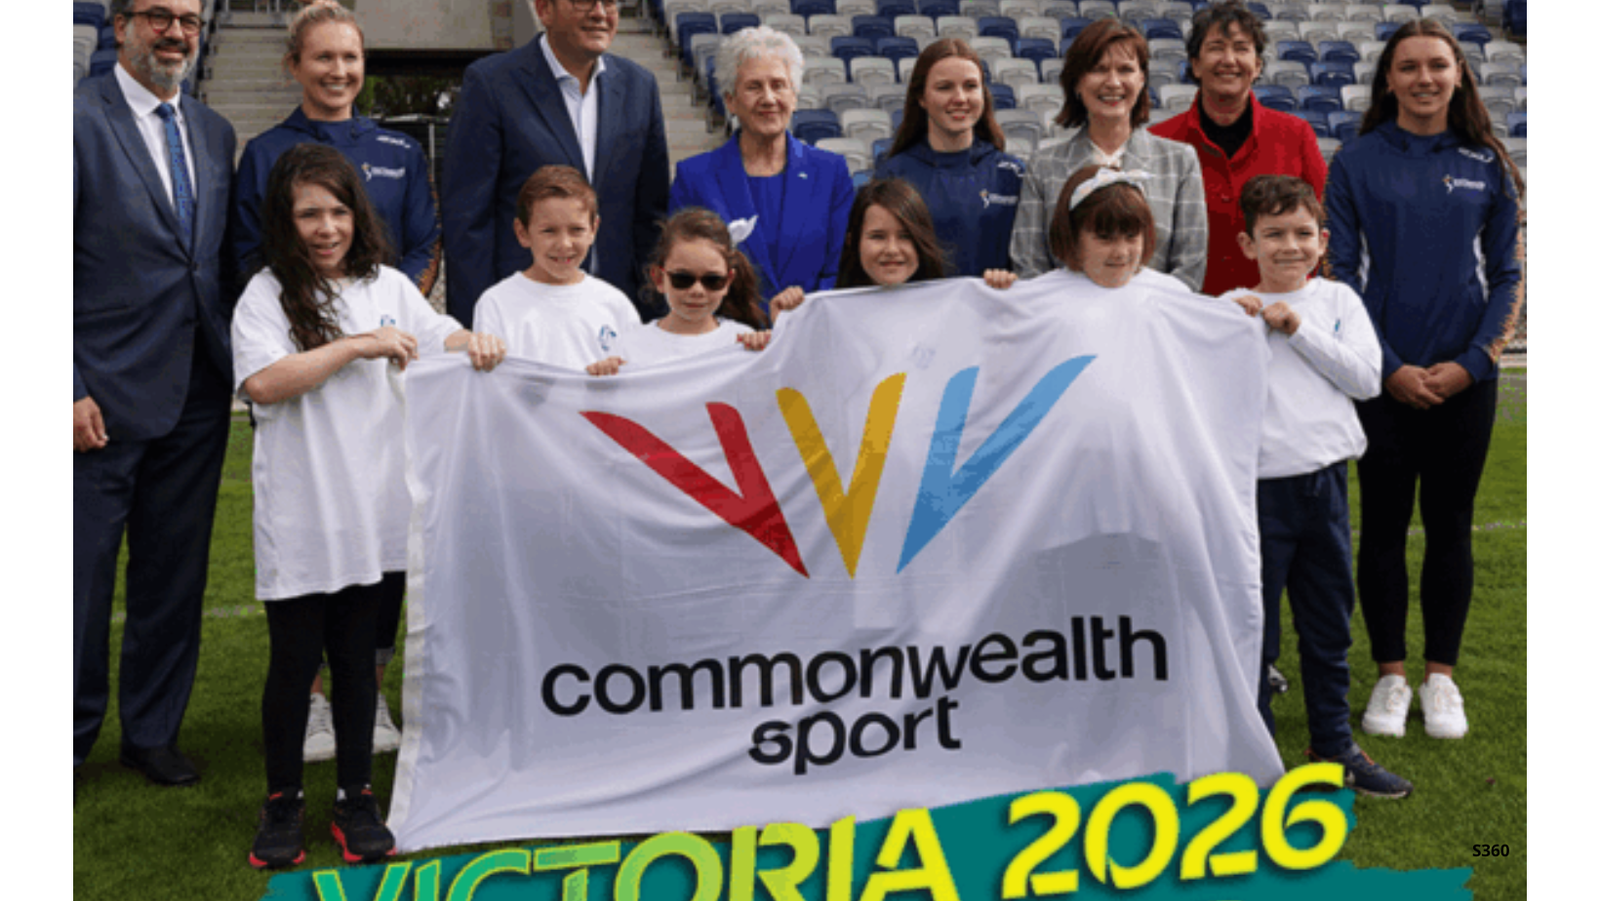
(560, 99)
(151, 377)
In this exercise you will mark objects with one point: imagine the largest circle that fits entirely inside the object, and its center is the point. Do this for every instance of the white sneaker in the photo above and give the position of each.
(385, 734)
(1387, 708)
(319, 730)
(1442, 716)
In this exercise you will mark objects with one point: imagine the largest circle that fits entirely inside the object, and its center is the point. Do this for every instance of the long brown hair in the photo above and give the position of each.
(1084, 54)
(902, 202)
(914, 123)
(308, 297)
(1468, 117)
(742, 303)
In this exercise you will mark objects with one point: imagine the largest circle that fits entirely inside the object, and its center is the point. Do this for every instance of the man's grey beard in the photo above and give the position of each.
(168, 78)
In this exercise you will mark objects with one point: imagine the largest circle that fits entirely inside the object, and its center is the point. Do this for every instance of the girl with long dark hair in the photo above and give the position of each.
(319, 339)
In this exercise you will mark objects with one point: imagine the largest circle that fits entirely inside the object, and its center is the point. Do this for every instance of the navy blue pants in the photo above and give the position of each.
(1305, 547)
(1438, 455)
(162, 495)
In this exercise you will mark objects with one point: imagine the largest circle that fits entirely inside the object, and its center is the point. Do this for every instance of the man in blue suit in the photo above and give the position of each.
(560, 99)
(151, 377)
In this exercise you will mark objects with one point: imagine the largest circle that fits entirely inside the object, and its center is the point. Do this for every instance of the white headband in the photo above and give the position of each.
(1106, 177)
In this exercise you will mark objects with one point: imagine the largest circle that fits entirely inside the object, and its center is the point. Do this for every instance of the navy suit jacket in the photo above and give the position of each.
(511, 119)
(818, 193)
(139, 287)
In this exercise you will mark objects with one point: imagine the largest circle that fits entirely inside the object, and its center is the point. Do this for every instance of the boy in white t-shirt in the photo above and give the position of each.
(553, 312)
(1324, 353)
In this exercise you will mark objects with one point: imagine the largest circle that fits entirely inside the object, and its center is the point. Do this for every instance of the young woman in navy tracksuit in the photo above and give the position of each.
(1427, 193)
(950, 149)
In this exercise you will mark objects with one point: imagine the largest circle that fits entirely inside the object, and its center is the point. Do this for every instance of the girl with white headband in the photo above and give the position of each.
(1103, 229)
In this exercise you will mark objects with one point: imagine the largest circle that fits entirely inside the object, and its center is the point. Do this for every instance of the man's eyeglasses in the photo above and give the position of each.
(683, 281)
(160, 20)
(584, 6)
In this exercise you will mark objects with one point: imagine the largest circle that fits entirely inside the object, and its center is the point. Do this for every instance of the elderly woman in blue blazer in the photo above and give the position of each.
(785, 202)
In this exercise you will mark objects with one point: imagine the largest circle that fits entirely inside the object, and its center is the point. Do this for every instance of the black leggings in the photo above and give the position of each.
(344, 624)
(1444, 449)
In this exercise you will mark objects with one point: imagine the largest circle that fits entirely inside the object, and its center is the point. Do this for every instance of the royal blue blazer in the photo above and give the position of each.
(816, 210)
(510, 119)
(140, 288)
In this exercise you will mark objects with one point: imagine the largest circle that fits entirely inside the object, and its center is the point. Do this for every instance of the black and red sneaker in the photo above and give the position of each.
(279, 842)
(359, 830)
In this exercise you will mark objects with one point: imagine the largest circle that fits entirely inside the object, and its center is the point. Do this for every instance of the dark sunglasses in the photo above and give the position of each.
(683, 281)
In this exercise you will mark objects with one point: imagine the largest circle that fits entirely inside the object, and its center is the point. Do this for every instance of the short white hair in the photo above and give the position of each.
(750, 44)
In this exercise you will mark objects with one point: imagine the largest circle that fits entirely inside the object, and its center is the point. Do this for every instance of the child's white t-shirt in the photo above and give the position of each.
(562, 325)
(1314, 377)
(652, 345)
(331, 504)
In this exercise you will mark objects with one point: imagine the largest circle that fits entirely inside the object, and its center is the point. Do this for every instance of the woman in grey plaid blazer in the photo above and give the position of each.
(1104, 78)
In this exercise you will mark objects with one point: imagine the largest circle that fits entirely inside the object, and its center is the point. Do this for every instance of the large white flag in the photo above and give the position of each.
(936, 543)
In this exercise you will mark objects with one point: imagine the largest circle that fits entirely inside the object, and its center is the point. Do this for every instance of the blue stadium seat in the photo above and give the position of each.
(891, 8)
(1161, 28)
(1517, 123)
(108, 38)
(1317, 119)
(1276, 96)
(1004, 96)
(895, 118)
(1383, 31)
(933, 9)
(691, 24)
(1335, 75)
(1036, 49)
(1261, 11)
(1298, 51)
(880, 147)
(1345, 125)
(1070, 26)
(1514, 18)
(809, 8)
(1317, 97)
(732, 22)
(1473, 32)
(813, 125)
(88, 14)
(999, 27)
(871, 27)
(1339, 52)
(897, 48)
(851, 46)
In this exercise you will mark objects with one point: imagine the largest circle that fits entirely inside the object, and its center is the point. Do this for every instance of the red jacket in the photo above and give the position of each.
(1279, 144)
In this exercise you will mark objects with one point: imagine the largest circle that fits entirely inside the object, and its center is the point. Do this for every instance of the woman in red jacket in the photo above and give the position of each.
(1235, 136)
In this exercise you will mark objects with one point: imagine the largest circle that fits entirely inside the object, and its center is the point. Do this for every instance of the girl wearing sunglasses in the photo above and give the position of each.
(712, 293)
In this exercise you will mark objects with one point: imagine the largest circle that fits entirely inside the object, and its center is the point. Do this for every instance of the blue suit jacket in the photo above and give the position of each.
(816, 210)
(510, 119)
(139, 287)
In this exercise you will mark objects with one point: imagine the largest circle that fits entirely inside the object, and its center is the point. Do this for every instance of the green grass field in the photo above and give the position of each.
(134, 841)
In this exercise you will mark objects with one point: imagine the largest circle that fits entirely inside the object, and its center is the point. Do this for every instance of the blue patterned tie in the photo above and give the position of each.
(177, 164)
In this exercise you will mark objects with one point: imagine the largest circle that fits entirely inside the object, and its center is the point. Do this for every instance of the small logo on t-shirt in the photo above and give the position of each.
(1008, 164)
(391, 139)
(1482, 156)
(1451, 183)
(1000, 199)
(608, 337)
(370, 170)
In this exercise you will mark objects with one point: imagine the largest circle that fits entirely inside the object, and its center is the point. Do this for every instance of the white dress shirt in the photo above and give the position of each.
(154, 131)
